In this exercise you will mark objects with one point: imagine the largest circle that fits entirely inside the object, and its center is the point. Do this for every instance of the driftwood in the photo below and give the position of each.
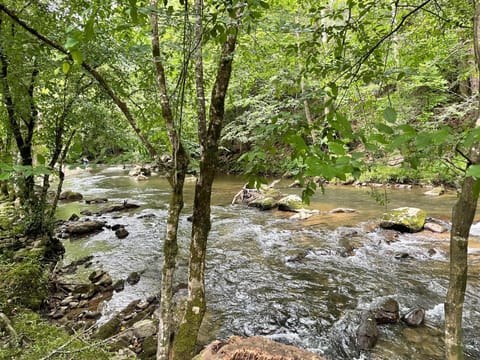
(246, 196)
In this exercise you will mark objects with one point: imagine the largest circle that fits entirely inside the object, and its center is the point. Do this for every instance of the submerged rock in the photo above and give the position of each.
(436, 191)
(96, 201)
(119, 207)
(140, 170)
(133, 278)
(256, 347)
(406, 219)
(367, 332)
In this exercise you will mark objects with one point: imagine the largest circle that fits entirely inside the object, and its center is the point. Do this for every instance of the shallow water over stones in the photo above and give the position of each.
(301, 282)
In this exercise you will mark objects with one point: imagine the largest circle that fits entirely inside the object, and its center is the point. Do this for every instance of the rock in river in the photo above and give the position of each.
(84, 227)
(388, 312)
(121, 233)
(414, 317)
(367, 332)
(407, 219)
(69, 195)
(291, 203)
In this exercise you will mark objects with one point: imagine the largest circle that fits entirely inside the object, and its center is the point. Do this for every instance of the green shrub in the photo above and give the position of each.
(23, 284)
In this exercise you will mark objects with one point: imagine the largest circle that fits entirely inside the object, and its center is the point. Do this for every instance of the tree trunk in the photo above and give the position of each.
(166, 328)
(186, 337)
(462, 218)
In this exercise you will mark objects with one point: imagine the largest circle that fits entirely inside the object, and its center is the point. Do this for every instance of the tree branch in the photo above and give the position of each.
(95, 74)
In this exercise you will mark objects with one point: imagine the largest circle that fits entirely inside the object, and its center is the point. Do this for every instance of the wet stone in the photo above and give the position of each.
(119, 285)
(121, 233)
(133, 278)
(388, 312)
(414, 317)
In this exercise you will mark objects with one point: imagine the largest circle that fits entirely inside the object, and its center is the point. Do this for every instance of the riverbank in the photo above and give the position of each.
(26, 268)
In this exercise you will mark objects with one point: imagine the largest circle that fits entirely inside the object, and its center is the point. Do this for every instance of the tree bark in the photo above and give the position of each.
(166, 329)
(185, 339)
(462, 218)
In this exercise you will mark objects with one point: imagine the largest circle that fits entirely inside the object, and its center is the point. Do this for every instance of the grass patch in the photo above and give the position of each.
(40, 339)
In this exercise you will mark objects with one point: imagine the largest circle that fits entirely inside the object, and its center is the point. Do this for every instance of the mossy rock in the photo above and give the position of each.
(291, 203)
(110, 328)
(149, 348)
(405, 219)
(24, 284)
(264, 203)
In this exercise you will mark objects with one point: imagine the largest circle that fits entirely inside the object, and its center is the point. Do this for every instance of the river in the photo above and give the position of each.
(253, 287)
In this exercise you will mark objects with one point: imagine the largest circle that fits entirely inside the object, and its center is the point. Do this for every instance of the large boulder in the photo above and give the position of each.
(84, 227)
(144, 328)
(263, 203)
(290, 203)
(256, 347)
(406, 219)
(436, 191)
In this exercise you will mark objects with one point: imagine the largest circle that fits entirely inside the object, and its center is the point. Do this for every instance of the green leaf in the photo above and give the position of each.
(77, 56)
(41, 159)
(473, 170)
(297, 142)
(264, 5)
(133, 11)
(378, 138)
(66, 67)
(440, 136)
(4, 176)
(71, 43)
(384, 128)
(408, 129)
(423, 140)
(89, 27)
(390, 115)
(336, 148)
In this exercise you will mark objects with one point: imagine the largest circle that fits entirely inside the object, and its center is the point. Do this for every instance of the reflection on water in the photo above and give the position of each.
(292, 281)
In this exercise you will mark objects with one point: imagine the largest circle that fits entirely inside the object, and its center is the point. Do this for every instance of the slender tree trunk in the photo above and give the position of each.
(306, 105)
(462, 218)
(166, 329)
(185, 339)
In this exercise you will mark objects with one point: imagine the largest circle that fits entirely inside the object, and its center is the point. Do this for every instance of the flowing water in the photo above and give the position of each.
(289, 280)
